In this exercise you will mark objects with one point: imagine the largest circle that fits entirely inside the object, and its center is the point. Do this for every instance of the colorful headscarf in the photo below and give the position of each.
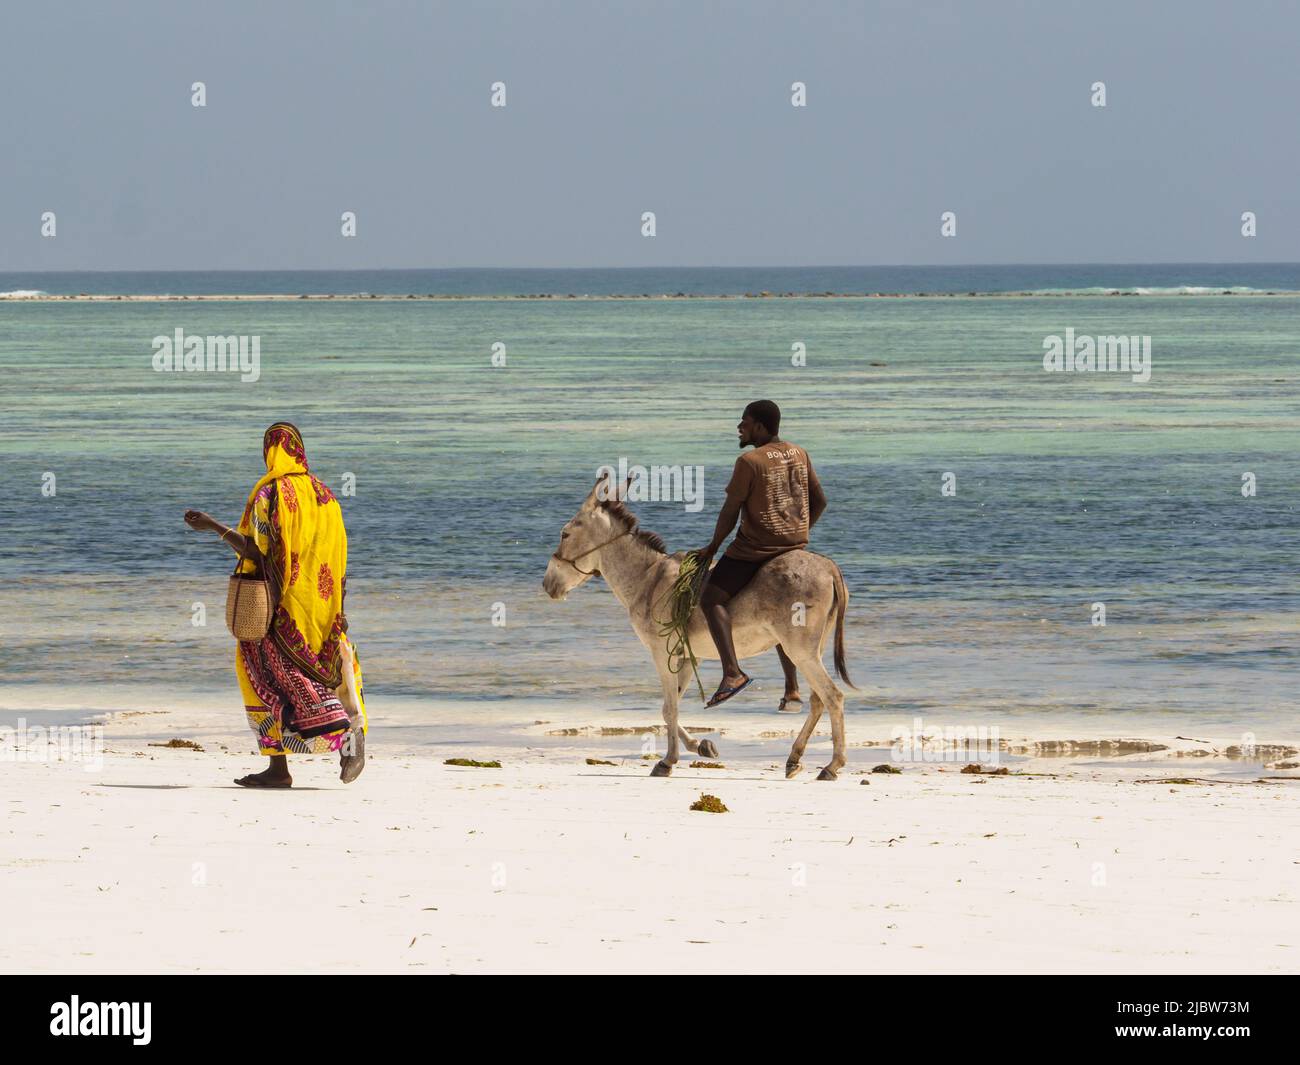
(297, 524)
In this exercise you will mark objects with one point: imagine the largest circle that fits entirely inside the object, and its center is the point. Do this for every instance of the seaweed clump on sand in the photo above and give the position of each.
(598, 761)
(707, 765)
(885, 767)
(472, 764)
(1001, 771)
(709, 804)
(179, 745)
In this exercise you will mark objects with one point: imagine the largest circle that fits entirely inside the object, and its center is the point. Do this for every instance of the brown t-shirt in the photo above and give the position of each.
(772, 482)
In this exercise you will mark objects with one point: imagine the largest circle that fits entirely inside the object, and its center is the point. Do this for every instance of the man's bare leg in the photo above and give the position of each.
(714, 604)
(791, 681)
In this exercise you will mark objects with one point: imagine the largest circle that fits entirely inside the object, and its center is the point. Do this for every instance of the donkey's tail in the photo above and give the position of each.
(841, 605)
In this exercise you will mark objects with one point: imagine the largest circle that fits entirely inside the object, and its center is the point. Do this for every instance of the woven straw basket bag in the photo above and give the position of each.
(248, 605)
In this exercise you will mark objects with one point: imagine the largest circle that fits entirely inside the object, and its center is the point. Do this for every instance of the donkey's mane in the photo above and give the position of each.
(616, 508)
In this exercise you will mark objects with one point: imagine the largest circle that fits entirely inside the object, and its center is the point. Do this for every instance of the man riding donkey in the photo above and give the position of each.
(782, 596)
(777, 497)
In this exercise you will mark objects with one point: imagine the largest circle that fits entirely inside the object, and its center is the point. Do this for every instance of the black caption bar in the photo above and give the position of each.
(210, 1013)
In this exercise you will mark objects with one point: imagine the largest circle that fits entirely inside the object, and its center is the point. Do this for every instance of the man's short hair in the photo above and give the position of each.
(766, 413)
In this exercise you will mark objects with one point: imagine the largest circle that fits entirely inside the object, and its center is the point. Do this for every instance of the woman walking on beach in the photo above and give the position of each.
(301, 682)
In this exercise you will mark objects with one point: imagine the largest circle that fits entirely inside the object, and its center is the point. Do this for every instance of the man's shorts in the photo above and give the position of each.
(732, 574)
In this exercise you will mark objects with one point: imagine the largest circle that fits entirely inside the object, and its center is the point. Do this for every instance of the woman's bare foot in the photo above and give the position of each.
(276, 775)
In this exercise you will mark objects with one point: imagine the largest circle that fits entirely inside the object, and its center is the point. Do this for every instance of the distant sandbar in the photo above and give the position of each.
(390, 297)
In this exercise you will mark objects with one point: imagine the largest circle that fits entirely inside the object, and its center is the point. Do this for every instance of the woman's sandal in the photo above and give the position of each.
(351, 764)
(724, 693)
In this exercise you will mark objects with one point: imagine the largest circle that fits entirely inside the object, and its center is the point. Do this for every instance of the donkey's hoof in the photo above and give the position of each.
(792, 769)
(707, 750)
(828, 774)
(661, 769)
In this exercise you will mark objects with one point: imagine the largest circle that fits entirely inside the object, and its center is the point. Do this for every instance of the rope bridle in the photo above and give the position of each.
(573, 561)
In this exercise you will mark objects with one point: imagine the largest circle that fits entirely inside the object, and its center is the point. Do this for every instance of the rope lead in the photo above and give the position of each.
(682, 598)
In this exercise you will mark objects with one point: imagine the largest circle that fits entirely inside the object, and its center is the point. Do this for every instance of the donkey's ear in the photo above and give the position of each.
(605, 488)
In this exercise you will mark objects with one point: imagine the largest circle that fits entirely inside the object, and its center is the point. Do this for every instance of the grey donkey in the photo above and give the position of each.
(603, 538)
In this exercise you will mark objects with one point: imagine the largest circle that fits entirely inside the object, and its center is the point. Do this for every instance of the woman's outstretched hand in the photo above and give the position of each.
(196, 519)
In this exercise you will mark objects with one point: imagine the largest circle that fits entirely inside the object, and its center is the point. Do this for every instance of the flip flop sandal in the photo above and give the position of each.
(350, 765)
(723, 694)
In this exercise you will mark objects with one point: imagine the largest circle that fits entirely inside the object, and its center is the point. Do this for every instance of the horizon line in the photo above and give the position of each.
(762, 266)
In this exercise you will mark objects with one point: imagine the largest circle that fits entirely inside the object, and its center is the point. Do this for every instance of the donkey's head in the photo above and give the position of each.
(574, 562)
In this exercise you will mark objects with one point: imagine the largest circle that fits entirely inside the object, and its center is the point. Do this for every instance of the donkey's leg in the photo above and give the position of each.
(824, 689)
(683, 680)
(704, 748)
(708, 749)
(672, 689)
(834, 699)
(838, 755)
(792, 765)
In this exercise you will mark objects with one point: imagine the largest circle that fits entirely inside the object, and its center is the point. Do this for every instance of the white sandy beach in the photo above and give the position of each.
(155, 861)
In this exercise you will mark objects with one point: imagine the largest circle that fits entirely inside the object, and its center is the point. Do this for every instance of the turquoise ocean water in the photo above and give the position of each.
(1072, 489)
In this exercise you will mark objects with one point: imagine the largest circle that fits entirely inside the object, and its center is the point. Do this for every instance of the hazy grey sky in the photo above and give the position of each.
(614, 109)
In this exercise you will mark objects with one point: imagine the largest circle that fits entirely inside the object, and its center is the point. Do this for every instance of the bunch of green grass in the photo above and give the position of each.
(681, 599)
